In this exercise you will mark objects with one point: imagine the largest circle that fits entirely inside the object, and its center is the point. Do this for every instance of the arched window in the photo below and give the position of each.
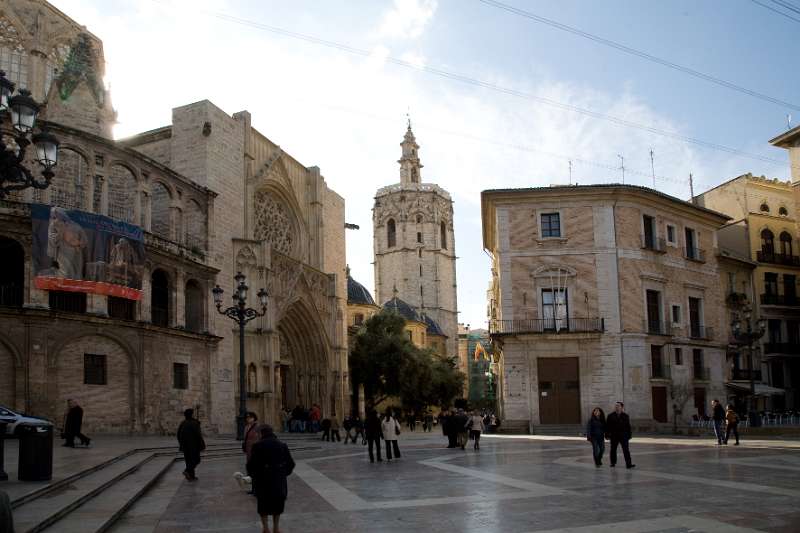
(160, 201)
(159, 298)
(12, 273)
(195, 224)
(764, 208)
(121, 192)
(358, 319)
(786, 243)
(443, 234)
(767, 242)
(193, 305)
(391, 234)
(419, 219)
(252, 378)
(71, 177)
(782, 211)
(13, 56)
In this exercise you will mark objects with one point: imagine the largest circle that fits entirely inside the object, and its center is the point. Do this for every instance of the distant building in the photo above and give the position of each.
(603, 293)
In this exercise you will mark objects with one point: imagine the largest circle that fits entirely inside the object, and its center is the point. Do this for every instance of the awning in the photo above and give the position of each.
(760, 388)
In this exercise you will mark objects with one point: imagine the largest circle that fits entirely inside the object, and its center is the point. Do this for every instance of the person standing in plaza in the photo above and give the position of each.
(373, 434)
(72, 424)
(459, 426)
(315, 416)
(347, 425)
(718, 417)
(390, 428)
(269, 465)
(731, 424)
(251, 434)
(335, 429)
(618, 429)
(285, 418)
(475, 428)
(326, 429)
(191, 443)
(596, 434)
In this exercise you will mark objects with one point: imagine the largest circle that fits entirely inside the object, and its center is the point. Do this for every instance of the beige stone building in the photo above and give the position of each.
(603, 293)
(414, 246)
(214, 197)
(764, 230)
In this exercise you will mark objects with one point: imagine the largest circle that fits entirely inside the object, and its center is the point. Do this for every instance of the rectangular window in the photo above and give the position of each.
(649, 224)
(554, 309)
(771, 284)
(691, 244)
(678, 356)
(676, 314)
(70, 302)
(790, 289)
(695, 318)
(697, 363)
(419, 236)
(774, 331)
(551, 225)
(657, 362)
(180, 376)
(671, 237)
(654, 312)
(94, 369)
(731, 282)
(121, 308)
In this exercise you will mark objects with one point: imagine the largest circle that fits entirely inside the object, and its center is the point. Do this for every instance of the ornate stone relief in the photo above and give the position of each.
(274, 223)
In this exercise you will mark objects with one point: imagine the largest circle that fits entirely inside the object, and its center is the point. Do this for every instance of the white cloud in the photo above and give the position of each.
(407, 18)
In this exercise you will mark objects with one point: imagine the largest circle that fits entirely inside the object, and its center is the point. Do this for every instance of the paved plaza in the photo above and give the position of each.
(513, 484)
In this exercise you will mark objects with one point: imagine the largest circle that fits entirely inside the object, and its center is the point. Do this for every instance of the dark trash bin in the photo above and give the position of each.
(35, 453)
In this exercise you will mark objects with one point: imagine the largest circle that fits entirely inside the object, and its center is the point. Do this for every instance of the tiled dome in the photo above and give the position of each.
(403, 309)
(357, 293)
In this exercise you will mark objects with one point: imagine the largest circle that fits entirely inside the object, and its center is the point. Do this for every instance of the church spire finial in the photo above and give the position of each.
(409, 160)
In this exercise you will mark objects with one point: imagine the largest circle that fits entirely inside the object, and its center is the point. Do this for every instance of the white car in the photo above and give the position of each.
(15, 421)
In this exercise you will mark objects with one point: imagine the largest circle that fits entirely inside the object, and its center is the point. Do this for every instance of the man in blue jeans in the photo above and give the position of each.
(718, 416)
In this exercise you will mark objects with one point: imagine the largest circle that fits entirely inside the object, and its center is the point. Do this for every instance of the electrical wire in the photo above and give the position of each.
(787, 5)
(779, 12)
(638, 53)
(462, 78)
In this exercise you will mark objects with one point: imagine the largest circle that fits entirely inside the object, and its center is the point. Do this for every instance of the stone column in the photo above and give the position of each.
(180, 299)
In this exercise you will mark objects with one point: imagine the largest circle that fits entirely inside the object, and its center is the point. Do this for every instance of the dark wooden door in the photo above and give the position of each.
(559, 391)
(700, 401)
(659, 404)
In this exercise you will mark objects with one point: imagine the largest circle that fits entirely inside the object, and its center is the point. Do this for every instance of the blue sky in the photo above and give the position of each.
(346, 113)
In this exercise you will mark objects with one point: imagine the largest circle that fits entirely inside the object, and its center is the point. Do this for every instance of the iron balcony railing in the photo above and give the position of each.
(779, 299)
(546, 325)
(696, 331)
(782, 347)
(743, 374)
(701, 373)
(657, 327)
(778, 259)
(11, 295)
(661, 371)
(695, 254)
(654, 244)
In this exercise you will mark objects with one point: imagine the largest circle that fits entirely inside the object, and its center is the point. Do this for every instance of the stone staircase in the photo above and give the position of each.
(560, 430)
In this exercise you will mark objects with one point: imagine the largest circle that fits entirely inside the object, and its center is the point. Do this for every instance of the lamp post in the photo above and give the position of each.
(749, 337)
(241, 314)
(21, 111)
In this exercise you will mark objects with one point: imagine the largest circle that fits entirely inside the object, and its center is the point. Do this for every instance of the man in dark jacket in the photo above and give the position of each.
(373, 433)
(269, 465)
(72, 425)
(618, 429)
(458, 424)
(718, 416)
(190, 440)
(448, 427)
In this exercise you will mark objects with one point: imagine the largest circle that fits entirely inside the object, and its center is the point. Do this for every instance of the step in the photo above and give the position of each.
(145, 514)
(569, 430)
(38, 514)
(103, 510)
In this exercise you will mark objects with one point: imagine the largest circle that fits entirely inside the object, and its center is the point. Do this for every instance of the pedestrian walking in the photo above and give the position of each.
(251, 434)
(718, 418)
(428, 422)
(335, 429)
(326, 429)
(269, 466)
(618, 429)
(411, 420)
(373, 434)
(476, 426)
(191, 443)
(596, 434)
(347, 425)
(285, 418)
(731, 424)
(390, 428)
(459, 427)
(314, 417)
(73, 420)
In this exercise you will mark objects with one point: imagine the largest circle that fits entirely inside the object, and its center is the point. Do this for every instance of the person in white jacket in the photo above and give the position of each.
(476, 426)
(391, 429)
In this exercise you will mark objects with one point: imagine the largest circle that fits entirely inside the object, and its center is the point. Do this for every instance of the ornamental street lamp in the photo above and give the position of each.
(748, 338)
(21, 111)
(241, 315)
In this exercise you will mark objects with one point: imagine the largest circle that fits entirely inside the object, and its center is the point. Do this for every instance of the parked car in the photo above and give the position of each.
(15, 421)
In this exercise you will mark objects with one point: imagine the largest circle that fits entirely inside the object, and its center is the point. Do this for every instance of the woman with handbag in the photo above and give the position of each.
(391, 430)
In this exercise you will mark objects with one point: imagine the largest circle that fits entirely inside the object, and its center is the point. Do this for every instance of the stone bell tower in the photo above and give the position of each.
(414, 244)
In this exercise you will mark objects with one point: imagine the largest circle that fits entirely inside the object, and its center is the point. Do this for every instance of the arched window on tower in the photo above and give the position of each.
(391, 234)
(443, 235)
(786, 244)
(767, 242)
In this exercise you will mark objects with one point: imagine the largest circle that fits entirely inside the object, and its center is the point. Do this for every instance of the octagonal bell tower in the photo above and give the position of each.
(414, 244)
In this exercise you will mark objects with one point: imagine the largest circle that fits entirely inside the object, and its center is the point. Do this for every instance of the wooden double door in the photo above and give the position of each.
(559, 391)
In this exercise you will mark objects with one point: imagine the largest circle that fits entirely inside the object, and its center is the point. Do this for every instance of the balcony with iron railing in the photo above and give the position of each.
(765, 256)
(791, 348)
(701, 373)
(546, 325)
(653, 243)
(699, 332)
(780, 299)
(694, 254)
(657, 327)
(744, 374)
(660, 371)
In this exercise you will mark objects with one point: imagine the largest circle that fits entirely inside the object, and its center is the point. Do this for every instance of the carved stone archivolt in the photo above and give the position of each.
(274, 223)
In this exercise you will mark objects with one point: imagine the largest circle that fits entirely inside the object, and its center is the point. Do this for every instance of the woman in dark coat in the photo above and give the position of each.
(269, 465)
(190, 440)
(596, 434)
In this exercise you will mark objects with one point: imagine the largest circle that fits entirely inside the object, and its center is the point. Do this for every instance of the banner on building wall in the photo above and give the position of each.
(84, 252)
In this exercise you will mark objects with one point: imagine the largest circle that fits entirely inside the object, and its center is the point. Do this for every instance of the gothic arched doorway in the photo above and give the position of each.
(305, 370)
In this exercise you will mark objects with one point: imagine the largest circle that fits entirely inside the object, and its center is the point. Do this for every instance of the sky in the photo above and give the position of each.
(336, 97)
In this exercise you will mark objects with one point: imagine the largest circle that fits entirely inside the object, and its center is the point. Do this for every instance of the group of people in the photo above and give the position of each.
(616, 428)
(302, 420)
(459, 426)
(724, 417)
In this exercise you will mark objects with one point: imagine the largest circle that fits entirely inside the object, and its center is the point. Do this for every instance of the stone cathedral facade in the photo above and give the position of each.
(414, 245)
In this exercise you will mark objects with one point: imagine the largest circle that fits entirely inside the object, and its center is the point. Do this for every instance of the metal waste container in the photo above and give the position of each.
(35, 453)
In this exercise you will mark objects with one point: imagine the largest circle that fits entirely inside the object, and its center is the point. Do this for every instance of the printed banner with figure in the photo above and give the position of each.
(84, 252)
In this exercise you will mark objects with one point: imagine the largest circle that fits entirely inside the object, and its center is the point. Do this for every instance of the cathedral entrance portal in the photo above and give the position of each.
(304, 366)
